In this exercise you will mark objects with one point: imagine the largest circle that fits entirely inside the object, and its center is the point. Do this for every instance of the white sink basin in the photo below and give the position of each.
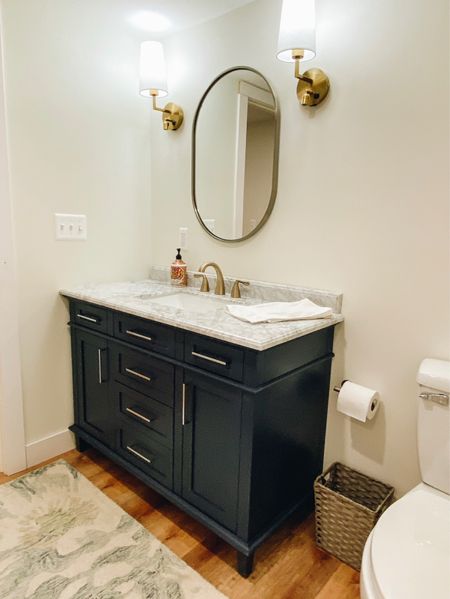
(190, 302)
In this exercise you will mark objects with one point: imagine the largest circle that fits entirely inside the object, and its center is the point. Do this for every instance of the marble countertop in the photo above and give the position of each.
(136, 298)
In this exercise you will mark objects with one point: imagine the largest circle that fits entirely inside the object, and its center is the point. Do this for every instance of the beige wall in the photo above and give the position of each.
(363, 196)
(79, 143)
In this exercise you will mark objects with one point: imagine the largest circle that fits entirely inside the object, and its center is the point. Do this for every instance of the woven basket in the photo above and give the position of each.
(348, 505)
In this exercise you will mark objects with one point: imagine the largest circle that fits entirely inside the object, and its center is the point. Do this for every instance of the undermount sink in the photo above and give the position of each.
(191, 302)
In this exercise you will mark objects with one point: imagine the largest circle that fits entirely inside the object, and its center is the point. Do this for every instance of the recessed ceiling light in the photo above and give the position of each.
(150, 21)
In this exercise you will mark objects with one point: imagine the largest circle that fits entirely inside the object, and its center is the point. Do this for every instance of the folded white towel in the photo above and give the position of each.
(305, 309)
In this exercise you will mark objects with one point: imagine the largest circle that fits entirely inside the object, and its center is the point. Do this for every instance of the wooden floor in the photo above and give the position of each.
(287, 566)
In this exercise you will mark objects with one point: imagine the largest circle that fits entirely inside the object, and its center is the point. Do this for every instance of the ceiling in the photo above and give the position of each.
(180, 13)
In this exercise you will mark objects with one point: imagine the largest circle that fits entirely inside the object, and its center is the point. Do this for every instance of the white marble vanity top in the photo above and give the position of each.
(136, 298)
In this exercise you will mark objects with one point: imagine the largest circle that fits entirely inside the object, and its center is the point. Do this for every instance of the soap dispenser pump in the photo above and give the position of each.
(178, 271)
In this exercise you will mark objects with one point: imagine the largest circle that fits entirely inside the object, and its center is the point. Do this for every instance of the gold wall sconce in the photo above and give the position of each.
(153, 83)
(297, 42)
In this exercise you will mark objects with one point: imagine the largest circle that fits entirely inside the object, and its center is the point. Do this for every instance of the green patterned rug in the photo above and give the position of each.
(60, 537)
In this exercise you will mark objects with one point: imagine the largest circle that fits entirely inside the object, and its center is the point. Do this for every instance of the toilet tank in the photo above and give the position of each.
(433, 423)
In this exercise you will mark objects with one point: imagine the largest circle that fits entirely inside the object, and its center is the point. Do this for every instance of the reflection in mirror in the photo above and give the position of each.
(235, 154)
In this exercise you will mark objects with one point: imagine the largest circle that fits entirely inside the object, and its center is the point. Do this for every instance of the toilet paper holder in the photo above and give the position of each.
(338, 388)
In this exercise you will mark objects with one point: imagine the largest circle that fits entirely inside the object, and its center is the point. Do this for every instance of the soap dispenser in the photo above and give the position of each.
(178, 271)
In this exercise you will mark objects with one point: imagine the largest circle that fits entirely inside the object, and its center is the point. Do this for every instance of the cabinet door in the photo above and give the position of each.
(211, 418)
(94, 410)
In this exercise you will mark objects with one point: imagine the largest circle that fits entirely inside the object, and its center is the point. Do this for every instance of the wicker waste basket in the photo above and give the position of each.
(348, 505)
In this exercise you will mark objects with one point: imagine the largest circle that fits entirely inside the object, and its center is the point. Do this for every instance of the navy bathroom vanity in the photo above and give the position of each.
(230, 434)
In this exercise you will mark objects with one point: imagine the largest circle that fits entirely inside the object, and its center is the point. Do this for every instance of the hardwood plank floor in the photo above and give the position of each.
(287, 566)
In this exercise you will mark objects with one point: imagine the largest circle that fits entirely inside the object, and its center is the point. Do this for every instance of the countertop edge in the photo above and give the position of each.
(316, 325)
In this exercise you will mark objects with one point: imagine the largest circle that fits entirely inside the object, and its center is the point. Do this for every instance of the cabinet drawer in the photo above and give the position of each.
(143, 373)
(140, 449)
(90, 316)
(214, 356)
(145, 333)
(144, 411)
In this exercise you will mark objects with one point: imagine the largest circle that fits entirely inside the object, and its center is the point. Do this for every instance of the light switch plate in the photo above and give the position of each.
(71, 227)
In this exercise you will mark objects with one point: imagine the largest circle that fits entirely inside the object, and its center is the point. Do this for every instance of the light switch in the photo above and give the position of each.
(71, 227)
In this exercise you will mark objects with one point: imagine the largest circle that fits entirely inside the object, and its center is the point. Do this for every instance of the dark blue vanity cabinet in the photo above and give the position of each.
(231, 435)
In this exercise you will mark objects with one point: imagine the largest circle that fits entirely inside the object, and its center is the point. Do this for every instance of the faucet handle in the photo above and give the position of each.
(235, 290)
(205, 285)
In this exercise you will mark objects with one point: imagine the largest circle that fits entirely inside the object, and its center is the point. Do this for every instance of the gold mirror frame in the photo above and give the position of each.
(274, 190)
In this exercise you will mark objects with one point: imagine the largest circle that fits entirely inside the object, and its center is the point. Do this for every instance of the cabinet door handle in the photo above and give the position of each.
(87, 318)
(139, 455)
(209, 358)
(100, 374)
(141, 416)
(138, 335)
(183, 405)
(138, 374)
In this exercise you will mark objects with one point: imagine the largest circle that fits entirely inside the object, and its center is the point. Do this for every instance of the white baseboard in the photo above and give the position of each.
(49, 447)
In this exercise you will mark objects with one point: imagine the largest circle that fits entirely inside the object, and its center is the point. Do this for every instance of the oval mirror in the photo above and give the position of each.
(235, 154)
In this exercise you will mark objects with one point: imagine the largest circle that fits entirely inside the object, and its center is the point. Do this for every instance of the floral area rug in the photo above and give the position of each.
(61, 537)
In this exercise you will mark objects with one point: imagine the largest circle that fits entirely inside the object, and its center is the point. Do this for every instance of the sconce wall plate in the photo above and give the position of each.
(172, 116)
(313, 87)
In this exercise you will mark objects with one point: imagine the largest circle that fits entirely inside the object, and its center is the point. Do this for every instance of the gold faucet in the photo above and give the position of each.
(235, 290)
(220, 284)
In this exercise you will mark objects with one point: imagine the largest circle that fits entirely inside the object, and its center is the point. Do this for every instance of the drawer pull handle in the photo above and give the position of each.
(144, 418)
(100, 374)
(139, 455)
(138, 335)
(183, 406)
(87, 318)
(138, 374)
(209, 358)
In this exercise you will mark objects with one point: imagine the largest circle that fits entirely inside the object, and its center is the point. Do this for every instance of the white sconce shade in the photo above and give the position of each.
(153, 72)
(297, 29)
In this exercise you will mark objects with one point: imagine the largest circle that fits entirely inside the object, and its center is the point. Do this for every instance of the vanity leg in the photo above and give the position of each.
(245, 564)
(81, 444)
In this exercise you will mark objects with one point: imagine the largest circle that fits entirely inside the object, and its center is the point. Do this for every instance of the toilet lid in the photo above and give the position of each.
(411, 546)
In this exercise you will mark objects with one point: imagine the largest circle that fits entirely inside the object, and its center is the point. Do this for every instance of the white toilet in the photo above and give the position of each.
(407, 555)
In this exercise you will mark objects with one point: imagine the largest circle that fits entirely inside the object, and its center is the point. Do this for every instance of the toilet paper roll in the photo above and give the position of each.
(357, 401)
